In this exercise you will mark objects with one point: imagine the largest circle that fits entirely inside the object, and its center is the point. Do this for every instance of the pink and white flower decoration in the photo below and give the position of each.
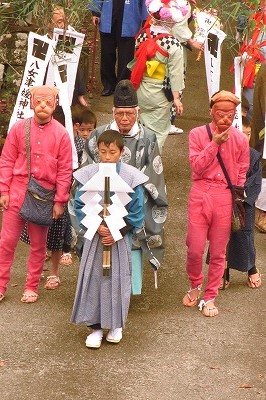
(169, 9)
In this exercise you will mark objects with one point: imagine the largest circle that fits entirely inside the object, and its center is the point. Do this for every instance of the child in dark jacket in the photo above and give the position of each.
(241, 253)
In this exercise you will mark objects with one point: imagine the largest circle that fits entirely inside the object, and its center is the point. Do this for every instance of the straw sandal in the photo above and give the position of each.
(189, 301)
(29, 297)
(224, 284)
(254, 283)
(66, 259)
(208, 311)
(52, 282)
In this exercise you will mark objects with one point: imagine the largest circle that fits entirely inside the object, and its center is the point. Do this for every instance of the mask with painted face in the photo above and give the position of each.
(43, 102)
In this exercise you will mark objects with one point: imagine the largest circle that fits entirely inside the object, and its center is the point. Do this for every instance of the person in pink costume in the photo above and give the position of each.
(51, 166)
(210, 199)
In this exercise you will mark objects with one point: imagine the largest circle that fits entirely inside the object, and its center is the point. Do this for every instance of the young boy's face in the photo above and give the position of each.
(109, 154)
(247, 131)
(84, 130)
(244, 112)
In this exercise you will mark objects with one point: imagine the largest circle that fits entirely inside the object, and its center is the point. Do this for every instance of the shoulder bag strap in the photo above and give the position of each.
(27, 139)
(221, 163)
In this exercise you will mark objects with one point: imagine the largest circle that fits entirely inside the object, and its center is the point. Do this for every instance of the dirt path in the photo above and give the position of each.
(168, 352)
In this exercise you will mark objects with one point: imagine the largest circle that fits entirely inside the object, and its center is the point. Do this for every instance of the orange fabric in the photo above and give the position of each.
(146, 26)
(253, 48)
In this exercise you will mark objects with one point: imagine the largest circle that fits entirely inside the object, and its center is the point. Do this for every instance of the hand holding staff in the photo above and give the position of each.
(107, 249)
(199, 55)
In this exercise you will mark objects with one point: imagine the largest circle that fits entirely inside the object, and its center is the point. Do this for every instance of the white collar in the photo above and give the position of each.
(133, 131)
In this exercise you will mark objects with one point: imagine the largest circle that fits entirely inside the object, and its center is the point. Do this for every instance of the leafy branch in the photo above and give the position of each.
(37, 13)
(229, 12)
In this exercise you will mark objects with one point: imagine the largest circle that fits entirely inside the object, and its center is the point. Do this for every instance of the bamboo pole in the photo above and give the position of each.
(92, 78)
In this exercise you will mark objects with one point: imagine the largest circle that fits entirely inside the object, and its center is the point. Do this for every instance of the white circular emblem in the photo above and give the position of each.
(152, 190)
(126, 156)
(93, 145)
(159, 214)
(158, 165)
(155, 241)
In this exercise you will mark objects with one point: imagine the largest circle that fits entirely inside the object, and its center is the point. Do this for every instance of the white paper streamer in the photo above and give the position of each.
(119, 199)
(117, 184)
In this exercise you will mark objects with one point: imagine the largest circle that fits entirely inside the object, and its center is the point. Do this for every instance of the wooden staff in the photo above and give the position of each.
(107, 250)
(92, 79)
(199, 55)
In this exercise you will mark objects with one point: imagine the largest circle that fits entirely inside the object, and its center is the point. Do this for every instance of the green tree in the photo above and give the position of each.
(26, 16)
(36, 13)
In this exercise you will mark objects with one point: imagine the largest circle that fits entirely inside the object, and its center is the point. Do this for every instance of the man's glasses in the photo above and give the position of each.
(127, 114)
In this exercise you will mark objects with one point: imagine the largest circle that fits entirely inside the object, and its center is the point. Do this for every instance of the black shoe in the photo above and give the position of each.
(107, 92)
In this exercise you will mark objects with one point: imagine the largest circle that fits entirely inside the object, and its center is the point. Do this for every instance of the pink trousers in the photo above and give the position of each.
(12, 225)
(209, 218)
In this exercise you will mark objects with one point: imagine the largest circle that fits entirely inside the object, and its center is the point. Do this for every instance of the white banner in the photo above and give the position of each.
(212, 55)
(65, 59)
(62, 73)
(40, 50)
(238, 68)
(57, 61)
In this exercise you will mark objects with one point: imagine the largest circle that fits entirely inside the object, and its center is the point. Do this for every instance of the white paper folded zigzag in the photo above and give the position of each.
(91, 198)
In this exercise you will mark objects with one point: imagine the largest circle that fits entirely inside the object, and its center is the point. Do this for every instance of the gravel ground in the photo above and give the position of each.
(168, 352)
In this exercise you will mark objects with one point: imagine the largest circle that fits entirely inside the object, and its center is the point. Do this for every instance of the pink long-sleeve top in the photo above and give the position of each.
(51, 157)
(203, 157)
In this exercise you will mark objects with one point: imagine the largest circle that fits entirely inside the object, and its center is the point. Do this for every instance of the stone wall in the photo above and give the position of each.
(13, 53)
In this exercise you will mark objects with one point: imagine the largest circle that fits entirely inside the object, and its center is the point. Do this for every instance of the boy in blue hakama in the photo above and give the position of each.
(102, 302)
